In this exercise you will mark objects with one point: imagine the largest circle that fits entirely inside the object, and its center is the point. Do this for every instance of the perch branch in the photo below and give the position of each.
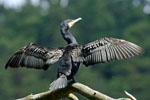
(74, 88)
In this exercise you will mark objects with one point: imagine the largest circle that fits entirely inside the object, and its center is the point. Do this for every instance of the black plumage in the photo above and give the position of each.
(69, 57)
(35, 56)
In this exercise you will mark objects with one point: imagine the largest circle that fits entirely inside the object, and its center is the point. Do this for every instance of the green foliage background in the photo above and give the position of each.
(101, 18)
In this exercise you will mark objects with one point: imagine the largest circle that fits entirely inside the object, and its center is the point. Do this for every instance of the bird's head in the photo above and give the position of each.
(67, 24)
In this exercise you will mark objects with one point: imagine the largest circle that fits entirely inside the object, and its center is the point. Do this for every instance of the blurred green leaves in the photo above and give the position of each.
(117, 18)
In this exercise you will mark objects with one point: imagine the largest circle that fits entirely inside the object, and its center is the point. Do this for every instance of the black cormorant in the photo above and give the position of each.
(70, 56)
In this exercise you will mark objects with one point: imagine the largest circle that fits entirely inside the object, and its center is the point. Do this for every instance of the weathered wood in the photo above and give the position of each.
(74, 88)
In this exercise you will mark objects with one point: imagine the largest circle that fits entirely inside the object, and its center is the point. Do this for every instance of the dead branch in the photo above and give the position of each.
(74, 88)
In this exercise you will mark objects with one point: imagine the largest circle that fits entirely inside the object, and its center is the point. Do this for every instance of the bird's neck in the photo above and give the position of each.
(68, 37)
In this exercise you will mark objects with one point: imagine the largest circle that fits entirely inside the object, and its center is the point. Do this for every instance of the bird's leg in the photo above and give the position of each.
(72, 81)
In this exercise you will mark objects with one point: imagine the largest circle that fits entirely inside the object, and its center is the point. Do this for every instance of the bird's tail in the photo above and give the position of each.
(61, 82)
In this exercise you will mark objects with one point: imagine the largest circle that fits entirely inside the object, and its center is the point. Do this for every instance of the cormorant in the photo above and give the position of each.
(70, 56)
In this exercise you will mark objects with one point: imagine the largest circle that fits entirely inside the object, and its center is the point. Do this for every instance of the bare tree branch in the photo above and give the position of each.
(74, 88)
(72, 97)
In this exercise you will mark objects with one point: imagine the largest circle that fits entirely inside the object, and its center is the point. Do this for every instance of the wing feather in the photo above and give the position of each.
(107, 54)
(35, 56)
(122, 52)
(108, 49)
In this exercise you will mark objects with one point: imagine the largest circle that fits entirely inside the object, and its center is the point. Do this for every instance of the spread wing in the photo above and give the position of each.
(108, 49)
(34, 56)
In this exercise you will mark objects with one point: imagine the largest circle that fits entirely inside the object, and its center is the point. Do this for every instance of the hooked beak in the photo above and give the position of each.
(74, 21)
